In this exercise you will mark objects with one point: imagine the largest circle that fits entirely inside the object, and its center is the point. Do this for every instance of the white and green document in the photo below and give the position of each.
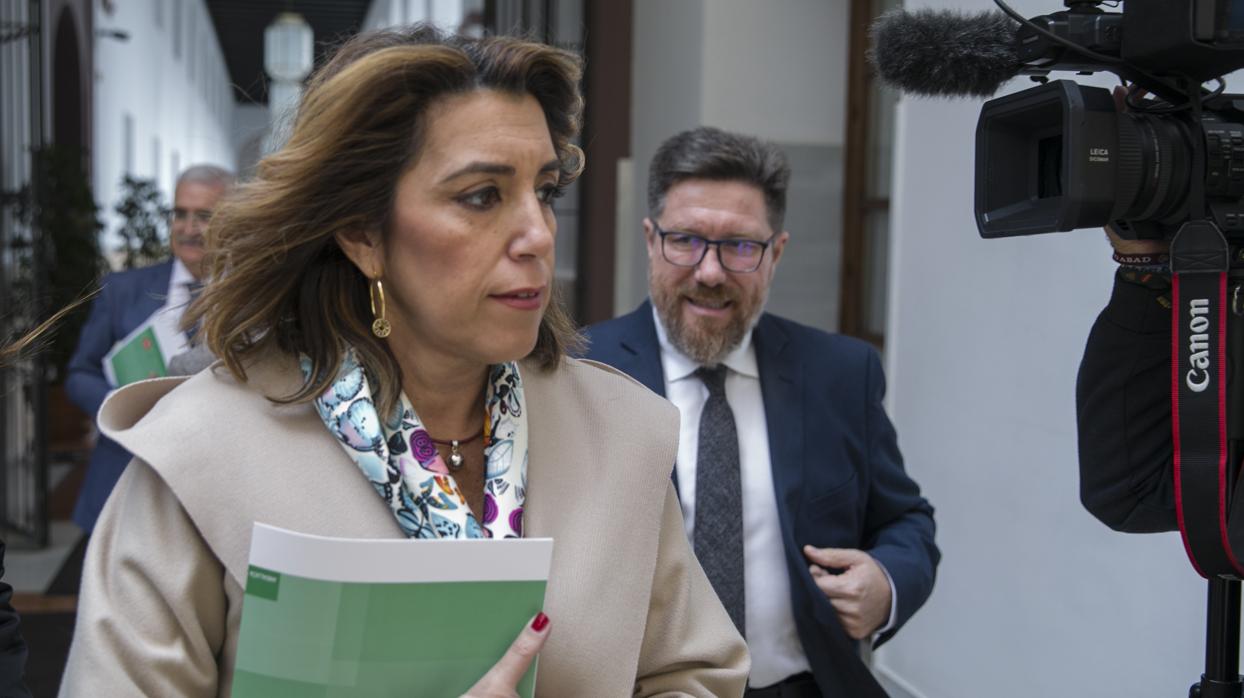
(335, 617)
(141, 355)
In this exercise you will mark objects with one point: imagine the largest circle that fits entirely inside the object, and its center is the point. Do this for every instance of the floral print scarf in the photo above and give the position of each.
(399, 459)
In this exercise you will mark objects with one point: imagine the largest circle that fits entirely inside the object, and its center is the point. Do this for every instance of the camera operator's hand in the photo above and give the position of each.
(1136, 247)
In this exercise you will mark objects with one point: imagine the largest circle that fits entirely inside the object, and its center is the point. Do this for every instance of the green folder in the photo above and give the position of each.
(383, 617)
(138, 359)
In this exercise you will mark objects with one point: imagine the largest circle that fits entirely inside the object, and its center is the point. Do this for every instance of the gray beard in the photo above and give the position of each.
(704, 347)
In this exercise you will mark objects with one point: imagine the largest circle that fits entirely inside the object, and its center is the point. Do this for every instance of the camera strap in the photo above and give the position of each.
(1199, 263)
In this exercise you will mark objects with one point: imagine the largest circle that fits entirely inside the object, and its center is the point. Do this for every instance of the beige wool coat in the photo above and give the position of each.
(162, 586)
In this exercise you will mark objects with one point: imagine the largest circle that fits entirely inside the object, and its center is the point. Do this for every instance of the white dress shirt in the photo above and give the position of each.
(172, 340)
(771, 636)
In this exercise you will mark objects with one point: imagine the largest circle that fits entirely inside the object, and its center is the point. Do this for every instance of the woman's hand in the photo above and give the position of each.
(502, 679)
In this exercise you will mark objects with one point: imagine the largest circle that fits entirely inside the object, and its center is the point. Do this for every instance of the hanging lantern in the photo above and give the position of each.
(288, 60)
(287, 47)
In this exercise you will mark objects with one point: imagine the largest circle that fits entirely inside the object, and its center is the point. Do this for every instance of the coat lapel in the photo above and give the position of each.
(639, 351)
(146, 294)
(156, 293)
(267, 446)
(781, 380)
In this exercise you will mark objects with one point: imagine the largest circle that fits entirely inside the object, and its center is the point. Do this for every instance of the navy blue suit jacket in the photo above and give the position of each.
(126, 300)
(837, 472)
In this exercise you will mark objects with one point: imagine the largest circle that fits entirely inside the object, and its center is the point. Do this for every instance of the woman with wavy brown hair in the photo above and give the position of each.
(382, 301)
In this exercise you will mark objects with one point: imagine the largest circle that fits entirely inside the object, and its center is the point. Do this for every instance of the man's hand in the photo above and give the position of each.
(860, 593)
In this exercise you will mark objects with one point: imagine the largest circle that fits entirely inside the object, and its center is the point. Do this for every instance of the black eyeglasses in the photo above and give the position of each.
(735, 254)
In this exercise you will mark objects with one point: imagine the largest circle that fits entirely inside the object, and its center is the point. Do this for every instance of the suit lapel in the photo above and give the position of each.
(781, 381)
(157, 291)
(149, 295)
(640, 351)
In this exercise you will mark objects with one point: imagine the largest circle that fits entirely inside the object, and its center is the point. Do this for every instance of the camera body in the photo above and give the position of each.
(1061, 156)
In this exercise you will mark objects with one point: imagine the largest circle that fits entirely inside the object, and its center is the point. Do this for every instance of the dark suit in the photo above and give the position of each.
(837, 472)
(12, 647)
(126, 300)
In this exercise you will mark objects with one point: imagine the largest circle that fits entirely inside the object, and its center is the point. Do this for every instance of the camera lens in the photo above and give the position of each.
(1154, 168)
(1045, 160)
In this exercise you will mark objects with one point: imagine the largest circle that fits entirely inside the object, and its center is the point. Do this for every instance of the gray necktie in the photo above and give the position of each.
(194, 288)
(719, 497)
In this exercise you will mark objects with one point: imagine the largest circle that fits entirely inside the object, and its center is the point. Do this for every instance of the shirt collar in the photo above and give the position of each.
(181, 276)
(678, 366)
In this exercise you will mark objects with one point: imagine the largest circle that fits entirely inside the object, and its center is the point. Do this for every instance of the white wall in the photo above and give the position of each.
(776, 70)
(667, 65)
(1034, 597)
(170, 80)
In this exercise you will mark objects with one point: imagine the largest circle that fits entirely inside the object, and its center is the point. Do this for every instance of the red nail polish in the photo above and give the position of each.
(540, 622)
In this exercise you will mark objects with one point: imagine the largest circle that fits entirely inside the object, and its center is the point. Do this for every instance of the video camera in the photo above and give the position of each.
(1062, 156)
(1168, 165)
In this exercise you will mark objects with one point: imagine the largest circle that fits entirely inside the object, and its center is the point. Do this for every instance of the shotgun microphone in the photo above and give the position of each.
(942, 53)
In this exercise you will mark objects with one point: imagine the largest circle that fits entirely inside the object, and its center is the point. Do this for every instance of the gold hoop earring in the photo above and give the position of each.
(380, 326)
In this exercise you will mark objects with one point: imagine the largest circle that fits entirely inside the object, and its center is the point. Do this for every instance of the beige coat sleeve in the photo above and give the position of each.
(690, 647)
(152, 609)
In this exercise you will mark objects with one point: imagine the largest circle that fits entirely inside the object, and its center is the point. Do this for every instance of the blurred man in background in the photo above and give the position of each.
(128, 300)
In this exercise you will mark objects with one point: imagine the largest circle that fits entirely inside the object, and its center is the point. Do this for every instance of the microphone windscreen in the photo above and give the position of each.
(945, 53)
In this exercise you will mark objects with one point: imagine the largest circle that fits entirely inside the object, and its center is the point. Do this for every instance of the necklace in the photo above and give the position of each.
(455, 447)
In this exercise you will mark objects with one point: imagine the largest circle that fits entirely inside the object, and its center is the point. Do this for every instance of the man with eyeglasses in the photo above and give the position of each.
(130, 299)
(793, 490)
